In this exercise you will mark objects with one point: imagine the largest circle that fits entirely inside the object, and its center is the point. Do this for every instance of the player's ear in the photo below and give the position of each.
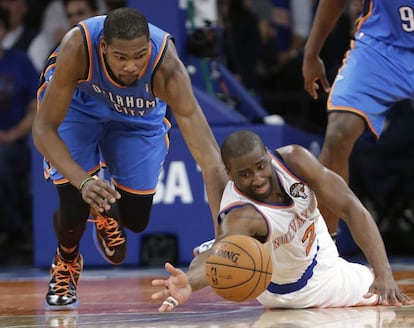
(103, 45)
(228, 174)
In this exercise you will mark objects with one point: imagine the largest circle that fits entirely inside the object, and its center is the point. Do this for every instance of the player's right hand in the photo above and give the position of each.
(176, 289)
(313, 70)
(99, 195)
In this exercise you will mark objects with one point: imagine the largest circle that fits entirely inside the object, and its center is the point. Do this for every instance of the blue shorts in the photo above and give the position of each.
(133, 155)
(373, 77)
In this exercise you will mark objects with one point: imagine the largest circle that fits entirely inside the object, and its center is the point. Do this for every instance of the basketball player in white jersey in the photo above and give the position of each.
(273, 198)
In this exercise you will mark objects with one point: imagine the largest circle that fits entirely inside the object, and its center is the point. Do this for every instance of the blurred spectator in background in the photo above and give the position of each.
(262, 45)
(282, 87)
(283, 93)
(35, 8)
(291, 20)
(58, 18)
(18, 87)
(243, 41)
(19, 34)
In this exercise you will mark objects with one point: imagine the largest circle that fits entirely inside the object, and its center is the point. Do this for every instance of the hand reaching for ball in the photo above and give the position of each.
(176, 290)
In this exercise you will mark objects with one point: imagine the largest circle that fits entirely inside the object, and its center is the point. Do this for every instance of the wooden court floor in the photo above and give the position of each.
(120, 297)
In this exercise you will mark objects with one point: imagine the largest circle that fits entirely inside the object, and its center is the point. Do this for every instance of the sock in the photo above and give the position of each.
(68, 257)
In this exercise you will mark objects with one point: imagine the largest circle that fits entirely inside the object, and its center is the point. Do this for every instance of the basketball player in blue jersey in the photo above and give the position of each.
(273, 197)
(377, 72)
(105, 91)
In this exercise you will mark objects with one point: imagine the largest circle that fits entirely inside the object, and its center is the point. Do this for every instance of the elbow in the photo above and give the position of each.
(39, 135)
(36, 133)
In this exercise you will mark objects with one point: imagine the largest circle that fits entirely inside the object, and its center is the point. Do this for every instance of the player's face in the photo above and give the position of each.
(253, 174)
(126, 58)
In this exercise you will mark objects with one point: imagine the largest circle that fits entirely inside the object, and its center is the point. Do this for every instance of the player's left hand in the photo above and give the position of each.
(388, 291)
(99, 194)
(176, 290)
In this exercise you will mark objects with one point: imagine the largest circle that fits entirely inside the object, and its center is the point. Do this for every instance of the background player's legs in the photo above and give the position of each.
(342, 131)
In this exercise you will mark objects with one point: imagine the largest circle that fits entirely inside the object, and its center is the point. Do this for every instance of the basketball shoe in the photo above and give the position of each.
(110, 238)
(64, 277)
(203, 247)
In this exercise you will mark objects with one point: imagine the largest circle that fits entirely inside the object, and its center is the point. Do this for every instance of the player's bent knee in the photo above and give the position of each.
(135, 210)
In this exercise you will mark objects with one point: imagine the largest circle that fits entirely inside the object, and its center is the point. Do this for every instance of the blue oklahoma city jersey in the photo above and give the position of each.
(396, 27)
(135, 102)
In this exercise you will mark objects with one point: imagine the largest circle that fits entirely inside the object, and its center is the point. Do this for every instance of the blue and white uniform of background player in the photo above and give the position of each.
(378, 70)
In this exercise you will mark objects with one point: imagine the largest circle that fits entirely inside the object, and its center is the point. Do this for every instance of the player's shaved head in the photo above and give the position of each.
(239, 143)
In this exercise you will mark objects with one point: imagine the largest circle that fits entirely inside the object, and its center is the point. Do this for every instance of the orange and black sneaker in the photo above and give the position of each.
(64, 277)
(110, 238)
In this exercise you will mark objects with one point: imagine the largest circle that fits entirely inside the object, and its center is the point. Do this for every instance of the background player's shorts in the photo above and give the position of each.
(373, 77)
(132, 155)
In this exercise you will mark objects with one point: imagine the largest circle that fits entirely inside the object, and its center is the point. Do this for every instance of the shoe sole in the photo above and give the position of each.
(72, 306)
(99, 248)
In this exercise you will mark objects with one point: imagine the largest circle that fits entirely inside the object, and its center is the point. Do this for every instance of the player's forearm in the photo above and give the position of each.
(367, 236)
(327, 14)
(204, 149)
(51, 146)
(215, 180)
(196, 272)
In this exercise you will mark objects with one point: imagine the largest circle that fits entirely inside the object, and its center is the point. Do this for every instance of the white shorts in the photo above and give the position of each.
(333, 284)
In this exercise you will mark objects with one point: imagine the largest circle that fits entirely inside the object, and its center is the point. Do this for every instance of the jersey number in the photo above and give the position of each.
(407, 18)
(309, 236)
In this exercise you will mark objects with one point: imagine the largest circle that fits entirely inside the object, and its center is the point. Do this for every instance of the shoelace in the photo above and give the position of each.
(111, 227)
(61, 274)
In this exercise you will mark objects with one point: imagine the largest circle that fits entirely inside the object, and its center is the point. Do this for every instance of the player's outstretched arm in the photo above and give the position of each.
(173, 85)
(177, 288)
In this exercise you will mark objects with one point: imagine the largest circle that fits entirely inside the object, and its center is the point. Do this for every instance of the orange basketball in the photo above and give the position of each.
(239, 268)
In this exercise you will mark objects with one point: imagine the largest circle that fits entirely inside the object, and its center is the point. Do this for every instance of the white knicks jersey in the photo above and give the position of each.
(301, 248)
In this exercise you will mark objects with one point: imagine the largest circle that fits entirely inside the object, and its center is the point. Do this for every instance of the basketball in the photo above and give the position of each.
(239, 268)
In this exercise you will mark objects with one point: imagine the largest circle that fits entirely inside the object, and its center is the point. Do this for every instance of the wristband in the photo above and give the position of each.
(90, 178)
